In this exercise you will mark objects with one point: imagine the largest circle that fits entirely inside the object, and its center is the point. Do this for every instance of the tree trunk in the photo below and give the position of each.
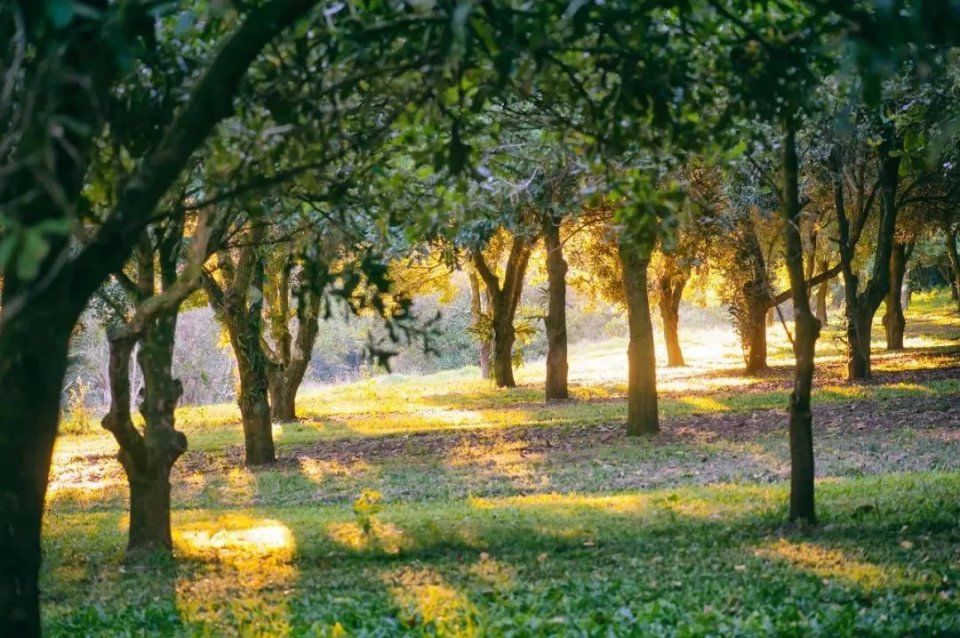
(670, 290)
(954, 266)
(754, 333)
(821, 296)
(283, 398)
(807, 330)
(503, 339)
(477, 318)
(893, 319)
(504, 302)
(254, 383)
(556, 320)
(641, 356)
(862, 307)
(31, 376)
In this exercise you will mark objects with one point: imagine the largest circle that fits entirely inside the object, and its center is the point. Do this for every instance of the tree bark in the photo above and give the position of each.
(642, 415)
(821, 296)
(239, 306)
(505, 300)
(290, 356)
(670, 291)
(807, 330)
(954, 257)
(476, 319)
(556, 320)
(894, 322)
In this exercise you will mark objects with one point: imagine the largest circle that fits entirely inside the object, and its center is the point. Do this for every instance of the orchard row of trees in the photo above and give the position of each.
(288, 157)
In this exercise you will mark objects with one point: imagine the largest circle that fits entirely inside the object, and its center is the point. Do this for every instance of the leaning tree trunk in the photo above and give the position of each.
(641, 356)
(556, 320)
(807, 330)
(670, 291)
(893, 320)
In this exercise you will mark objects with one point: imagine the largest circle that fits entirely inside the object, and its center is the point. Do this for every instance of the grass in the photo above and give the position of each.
(499, 515)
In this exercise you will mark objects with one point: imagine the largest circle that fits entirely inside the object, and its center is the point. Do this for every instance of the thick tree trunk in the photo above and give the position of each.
(503, 339)
(954, 257)
(807, 330)
(754, 334)
(476, 318)
(642, 415)
(670, 290)
(556, 320)
(893, 320)
(33, 359)
(283, 398)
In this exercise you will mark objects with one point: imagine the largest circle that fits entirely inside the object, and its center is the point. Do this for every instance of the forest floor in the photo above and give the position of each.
(502, 515)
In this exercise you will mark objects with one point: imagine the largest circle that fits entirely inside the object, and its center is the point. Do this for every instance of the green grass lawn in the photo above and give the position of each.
(500, 515)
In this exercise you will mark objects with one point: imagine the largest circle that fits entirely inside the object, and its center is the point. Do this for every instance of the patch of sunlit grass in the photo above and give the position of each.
(826, 563)
(426, 599)
(381, 537)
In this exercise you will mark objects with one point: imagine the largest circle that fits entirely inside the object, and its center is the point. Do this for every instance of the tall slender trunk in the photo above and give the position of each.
(807, 330)
(642, 415)
(670, 291)
(954, 257)
(556, 320)
(476, 318)
(893, 320)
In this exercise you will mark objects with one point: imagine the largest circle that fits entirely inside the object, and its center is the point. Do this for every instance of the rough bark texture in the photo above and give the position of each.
(670, 287)
(505, 299)
(641, 356)
(807, 330)
(290, 353)
(894, 322)
(477, 318)
(556, 319)
(148, 457)
(239, 306)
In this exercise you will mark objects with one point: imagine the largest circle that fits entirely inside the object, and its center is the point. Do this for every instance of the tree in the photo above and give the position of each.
(236, 295)
(148, 456)
(504, 292)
